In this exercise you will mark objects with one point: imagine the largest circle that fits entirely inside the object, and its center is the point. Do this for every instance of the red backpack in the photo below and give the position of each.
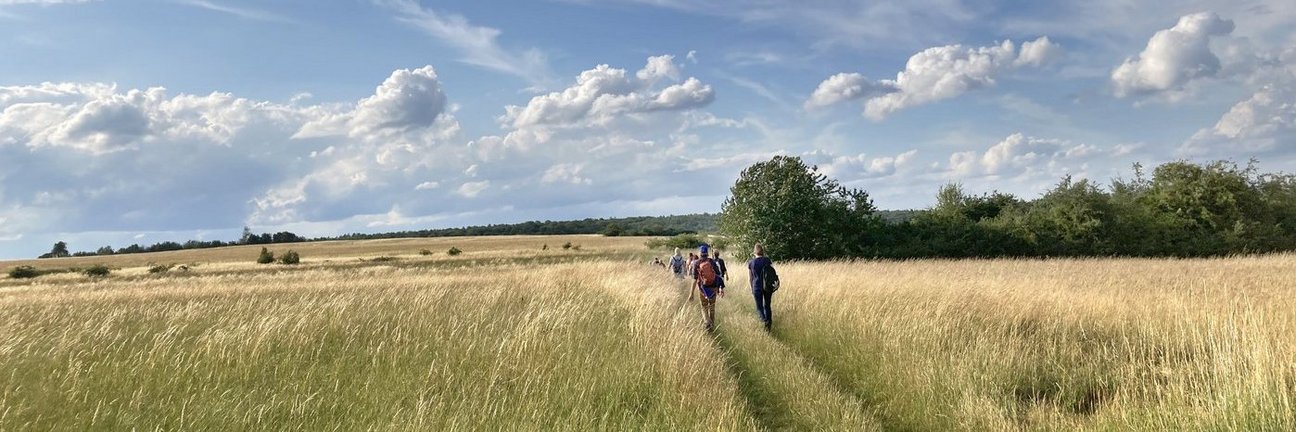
(706, 272)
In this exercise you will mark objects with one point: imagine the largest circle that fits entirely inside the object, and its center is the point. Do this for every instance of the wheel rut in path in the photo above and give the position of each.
(783, 390)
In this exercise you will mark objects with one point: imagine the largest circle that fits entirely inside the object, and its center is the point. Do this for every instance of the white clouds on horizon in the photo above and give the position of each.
(1019, 154)
(934, 74)
(1260, 124)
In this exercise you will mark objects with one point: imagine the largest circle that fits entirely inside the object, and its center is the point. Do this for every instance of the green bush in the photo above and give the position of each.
(290, 258)
(24, 272)
(613, 230)
(161, 268)
(425, 252)
(454, 251)
(97, 270)
(682, 241)
(266, 257)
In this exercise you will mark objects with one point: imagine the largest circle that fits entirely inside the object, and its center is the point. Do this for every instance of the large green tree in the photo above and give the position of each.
(796, 212)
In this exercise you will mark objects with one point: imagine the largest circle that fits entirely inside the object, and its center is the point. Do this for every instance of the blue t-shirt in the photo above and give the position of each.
(756, 268)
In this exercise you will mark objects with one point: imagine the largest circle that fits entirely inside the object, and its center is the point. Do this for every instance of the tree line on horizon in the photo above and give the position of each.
(1182, 209)
(627, 226)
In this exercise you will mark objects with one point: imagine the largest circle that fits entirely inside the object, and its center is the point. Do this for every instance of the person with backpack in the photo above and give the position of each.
(724, 272)
(764, 282)
(677, 264)
(707, 281)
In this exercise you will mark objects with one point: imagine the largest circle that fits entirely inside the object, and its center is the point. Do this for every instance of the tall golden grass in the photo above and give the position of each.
(1093, 344)
(508, 337)
(588, 346)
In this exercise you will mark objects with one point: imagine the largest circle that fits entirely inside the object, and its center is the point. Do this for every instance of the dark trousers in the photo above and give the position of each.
(763, 305)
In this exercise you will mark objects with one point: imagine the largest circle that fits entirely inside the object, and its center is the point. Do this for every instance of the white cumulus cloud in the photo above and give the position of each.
(1173, 57)
(933, 74)
(472, 189)
(844, 87)
(604, 93)
(565, 173)
(1020, 154)
(1264, 122)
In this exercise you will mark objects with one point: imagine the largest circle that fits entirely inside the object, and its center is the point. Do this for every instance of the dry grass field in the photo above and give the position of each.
(507, 336)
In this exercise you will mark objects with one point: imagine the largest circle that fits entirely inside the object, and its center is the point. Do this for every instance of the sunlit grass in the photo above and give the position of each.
(569, 346)
(1057, 345)
(508, 336)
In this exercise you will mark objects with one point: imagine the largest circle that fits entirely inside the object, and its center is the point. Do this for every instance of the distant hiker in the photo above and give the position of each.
(764, 282)
(724, 272)
(658, 262)
(677, 264)
(692, 259)
(707, 280)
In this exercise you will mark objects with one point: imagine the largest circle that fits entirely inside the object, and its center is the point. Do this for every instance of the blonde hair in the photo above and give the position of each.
(677, 252)
(759, 250)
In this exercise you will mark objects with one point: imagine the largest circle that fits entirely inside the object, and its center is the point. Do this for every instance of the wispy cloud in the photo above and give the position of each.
(761, 90)
(10, 15)
(837, 22)
(244, 13)
(479, 45)
(40, 2)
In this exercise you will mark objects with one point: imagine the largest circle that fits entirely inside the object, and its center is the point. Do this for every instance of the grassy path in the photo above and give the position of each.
(782, 389)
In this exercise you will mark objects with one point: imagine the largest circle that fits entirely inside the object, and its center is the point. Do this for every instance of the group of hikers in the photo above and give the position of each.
(709, 274)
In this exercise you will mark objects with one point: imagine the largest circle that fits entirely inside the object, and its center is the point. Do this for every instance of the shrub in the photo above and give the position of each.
(425, 252)
(290, 258)
(545, 247)
(162, 268)
(383, 259)
(24, 272)
(567, 245)
(97, 270)
(682, 241)
(613, 230)
(454, 251)
(266, 257)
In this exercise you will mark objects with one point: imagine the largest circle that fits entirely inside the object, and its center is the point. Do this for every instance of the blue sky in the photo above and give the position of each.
(150, 120)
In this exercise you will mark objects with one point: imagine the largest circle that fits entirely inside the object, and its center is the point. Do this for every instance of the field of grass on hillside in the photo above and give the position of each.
(509, 335)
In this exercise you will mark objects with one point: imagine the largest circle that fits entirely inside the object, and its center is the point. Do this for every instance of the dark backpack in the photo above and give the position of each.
(769, 279)
(677, 264)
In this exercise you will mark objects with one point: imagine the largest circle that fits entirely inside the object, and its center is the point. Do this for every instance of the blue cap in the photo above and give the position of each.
(704, 248)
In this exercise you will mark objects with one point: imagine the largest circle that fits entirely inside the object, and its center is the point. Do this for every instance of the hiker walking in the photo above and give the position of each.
(707, 281)
(692, 260)
(724, 272)
(677, 264)
(764, 281)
